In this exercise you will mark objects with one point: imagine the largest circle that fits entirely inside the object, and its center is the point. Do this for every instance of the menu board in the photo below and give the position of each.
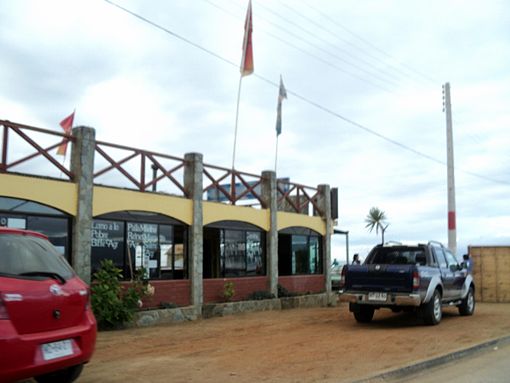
(142, 239)
(107, 241)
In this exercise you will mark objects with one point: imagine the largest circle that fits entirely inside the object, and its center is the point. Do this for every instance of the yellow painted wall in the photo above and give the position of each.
(215, 211)
(62, 196)
(108, 200)
(286, 220)
(59, 195)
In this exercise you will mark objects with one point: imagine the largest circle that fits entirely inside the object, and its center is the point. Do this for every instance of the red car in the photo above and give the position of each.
(47, 328)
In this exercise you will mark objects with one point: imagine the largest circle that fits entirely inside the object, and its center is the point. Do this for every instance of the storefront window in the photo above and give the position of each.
(142, 241)
(300, 261)
(299, 252)
(313, 252)
(156, 247)
(107, 243)
(254, 253)
(57, 230)
(236, 251)
(21, 214)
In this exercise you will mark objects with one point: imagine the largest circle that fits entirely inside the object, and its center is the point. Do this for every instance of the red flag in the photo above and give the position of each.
(247, 61)
(67, 125)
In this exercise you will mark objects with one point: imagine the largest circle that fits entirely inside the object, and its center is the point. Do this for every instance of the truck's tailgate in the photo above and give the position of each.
(394, 278)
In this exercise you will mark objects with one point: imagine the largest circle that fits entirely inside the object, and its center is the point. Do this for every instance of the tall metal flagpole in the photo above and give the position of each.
(237, 119)
(276, 154)
(452, 225)
(246, 69)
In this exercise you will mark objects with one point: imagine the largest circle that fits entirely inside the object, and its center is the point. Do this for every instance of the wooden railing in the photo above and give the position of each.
(133, 165)
(298, 198)
(232, 186)
(29, 150)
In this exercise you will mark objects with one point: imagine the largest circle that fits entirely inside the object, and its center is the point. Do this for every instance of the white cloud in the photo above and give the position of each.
(140, 86)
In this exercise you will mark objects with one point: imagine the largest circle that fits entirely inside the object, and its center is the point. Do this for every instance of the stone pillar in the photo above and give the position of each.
(324, 202)
(193, 184)
(82, 166)
(269, 198)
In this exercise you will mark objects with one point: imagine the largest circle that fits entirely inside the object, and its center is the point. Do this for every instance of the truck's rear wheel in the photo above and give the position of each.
(432, 311)
(364, 314)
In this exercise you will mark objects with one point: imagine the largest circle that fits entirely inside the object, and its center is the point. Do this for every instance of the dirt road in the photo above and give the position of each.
(300, 345)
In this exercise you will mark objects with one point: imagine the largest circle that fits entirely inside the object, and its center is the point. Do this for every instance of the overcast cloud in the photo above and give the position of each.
(380, 64)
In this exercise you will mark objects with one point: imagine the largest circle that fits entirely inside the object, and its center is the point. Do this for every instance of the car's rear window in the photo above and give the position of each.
(397, 256)
(20, 254)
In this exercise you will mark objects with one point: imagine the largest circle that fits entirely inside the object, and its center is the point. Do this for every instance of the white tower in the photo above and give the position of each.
(452, 226)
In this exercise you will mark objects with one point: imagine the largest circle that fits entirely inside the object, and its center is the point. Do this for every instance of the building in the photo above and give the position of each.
(140, 208)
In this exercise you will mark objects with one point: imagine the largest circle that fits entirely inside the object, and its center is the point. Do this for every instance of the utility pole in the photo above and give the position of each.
(452, 227)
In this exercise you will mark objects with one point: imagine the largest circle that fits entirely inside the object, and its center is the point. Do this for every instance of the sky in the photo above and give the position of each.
(364, 108)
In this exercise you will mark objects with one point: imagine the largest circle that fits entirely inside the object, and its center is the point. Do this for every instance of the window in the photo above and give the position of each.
(142, 241)
(397, 256)
(450, 258)
(254, 253)
(438, 251)
(23, 214)
(154, 242)
(300, 260)
(107, 243)
(233, 255)
(299, 252)
(233, 249)
(27, 254)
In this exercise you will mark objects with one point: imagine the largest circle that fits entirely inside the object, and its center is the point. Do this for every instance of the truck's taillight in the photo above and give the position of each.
(3, 310)
(342, 277)
(416, 280)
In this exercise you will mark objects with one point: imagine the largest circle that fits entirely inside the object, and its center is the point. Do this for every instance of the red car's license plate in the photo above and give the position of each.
(58, 349)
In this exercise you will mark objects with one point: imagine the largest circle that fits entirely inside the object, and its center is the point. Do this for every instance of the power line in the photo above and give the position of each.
(320, 26)
(370, 73)
(306, 100)
(359, 37)
(155, 25)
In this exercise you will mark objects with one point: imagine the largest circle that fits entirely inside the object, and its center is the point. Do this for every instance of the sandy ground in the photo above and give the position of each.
(299, 345)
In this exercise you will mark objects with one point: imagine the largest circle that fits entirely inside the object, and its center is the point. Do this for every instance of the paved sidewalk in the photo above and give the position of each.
(484, 363)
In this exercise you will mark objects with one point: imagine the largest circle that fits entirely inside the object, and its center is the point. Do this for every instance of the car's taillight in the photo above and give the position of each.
(416, 280)
(3, 310)
(342, 277)
(86, 294)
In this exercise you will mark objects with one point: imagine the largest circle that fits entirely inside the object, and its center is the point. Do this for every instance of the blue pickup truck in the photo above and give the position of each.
(420, 278)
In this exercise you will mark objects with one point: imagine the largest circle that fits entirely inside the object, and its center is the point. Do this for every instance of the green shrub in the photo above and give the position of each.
(228, 291)
(284, 293)
(113, 305)
(260, 295)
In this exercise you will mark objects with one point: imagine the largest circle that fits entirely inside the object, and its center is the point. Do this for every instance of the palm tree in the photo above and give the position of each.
(376, 218)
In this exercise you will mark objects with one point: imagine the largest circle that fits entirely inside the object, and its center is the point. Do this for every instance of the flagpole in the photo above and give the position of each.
(246, 69)
(276, 154)
(237, 119)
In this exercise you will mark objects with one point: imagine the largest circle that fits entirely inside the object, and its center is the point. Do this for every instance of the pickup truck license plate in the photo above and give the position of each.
(58, 349)
(379, 297)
